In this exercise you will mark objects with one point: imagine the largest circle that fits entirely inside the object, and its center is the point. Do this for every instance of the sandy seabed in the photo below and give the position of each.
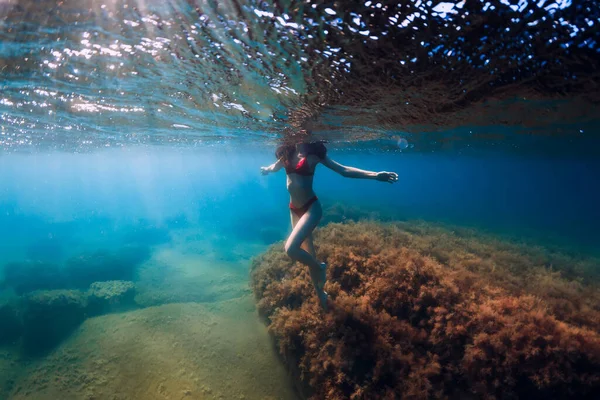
(198, 336)
(174, 351)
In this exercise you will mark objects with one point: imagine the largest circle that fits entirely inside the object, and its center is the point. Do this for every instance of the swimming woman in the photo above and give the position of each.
(300, 161)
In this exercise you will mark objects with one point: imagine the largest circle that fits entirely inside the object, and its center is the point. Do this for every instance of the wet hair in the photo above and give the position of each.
(286, 151)
(316, 148)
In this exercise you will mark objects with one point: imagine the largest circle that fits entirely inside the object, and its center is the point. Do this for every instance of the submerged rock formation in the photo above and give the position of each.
(111, 296)
(52, 300)
(44, 318)
(49, 317)
(10, 324)
(424, 312)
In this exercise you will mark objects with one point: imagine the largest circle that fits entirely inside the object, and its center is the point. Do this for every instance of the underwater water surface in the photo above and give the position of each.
(141, 250)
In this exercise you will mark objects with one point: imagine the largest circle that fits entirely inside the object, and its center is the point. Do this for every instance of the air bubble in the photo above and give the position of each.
(402, 144)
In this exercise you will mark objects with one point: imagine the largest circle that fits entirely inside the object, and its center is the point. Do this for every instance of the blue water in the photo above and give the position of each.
(535, 198)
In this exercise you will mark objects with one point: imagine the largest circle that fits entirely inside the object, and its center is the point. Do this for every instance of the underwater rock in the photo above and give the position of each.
(10, 324)
(33, 275)
(111, 296)
(85, 269)
(49, 317)
(420, 312)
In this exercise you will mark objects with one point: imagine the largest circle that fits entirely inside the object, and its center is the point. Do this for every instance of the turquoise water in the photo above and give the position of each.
(132, 135)
(535, 197)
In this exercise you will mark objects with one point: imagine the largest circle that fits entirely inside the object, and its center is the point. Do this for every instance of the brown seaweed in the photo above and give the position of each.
(423, 312)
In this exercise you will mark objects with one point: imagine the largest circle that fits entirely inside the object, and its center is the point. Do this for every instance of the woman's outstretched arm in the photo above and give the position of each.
(276, 166)
(351, 172)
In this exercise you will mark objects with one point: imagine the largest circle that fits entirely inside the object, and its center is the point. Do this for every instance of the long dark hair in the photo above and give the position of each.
(285, 152)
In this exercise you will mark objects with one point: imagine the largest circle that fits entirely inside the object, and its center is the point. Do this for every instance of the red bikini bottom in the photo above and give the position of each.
(300, 211)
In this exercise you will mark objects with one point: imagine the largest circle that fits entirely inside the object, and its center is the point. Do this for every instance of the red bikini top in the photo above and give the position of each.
(302, 168)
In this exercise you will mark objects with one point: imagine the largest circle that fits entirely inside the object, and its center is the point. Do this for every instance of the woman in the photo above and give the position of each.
(300, 162)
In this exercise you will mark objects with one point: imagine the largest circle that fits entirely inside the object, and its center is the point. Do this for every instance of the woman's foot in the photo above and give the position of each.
(322, 278)
(323, 297)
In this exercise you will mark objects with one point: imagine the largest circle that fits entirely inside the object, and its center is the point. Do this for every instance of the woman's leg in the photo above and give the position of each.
(308, 244)
(302, 230)
(299, 247)
(321, 275)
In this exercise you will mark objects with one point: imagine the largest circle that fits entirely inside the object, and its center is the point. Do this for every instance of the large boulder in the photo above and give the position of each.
(28, 276)
(50, 316)
(111, 296)
(10, 323)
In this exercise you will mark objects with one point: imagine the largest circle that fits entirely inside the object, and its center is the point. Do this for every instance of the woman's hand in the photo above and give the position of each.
(271, 168)
(384, 176)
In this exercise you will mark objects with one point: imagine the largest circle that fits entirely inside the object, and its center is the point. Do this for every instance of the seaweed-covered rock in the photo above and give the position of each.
(85, 269)
(111, 296)
(420, 312)
(49, 317)
(10, 323)
(33, 275)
